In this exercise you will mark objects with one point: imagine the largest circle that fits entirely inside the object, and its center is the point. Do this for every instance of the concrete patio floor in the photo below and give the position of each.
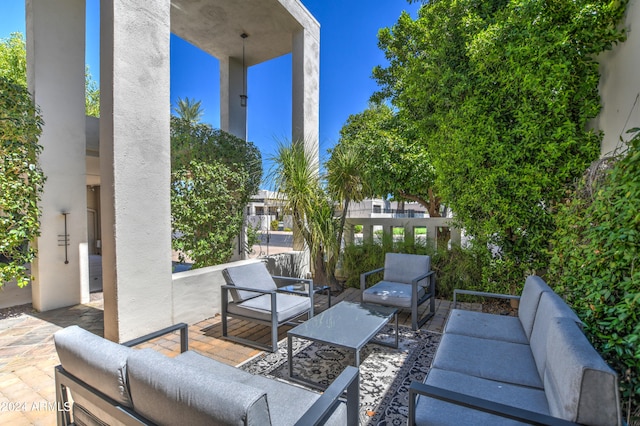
(28, 356)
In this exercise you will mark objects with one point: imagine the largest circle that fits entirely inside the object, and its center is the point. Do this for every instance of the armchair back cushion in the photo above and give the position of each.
(402, 268)
(98, 362)
(254, 275)
(169, 392)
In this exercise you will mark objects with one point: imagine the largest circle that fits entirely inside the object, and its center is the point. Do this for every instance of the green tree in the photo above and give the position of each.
(189, 110)
(92, 94)
(13, 59)
(501, 93)
(393, 160)
(296, 177)
(213, 177)
(21, 180)
(345, 180)
(13, 66)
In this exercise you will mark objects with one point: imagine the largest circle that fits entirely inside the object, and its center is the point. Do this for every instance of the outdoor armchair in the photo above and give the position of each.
(408, 282)
(255, 297)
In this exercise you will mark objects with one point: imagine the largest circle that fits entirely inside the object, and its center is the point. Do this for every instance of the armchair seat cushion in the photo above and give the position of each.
(391, 293)
(288, 307)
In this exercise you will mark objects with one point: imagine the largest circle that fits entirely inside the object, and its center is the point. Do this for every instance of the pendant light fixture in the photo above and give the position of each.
(243, 96)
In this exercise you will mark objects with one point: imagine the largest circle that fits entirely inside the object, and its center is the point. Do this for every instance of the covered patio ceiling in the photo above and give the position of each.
(215, 26)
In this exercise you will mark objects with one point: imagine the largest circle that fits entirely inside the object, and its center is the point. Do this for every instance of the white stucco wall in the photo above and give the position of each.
(135, 166)
(620, 84)
(55, 74)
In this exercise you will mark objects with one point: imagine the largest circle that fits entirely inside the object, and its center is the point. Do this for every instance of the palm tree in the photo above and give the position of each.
(296, 177)
(345, 180)
(189, 109)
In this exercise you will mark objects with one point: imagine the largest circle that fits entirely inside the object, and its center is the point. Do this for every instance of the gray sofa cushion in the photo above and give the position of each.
(98, 362)
(550, 307)
(534, 286)
(431, 411)
(402, 268)
(488, 359)
(221, 370)
(289, 306)
(580, 386)
(486, 326)
(254, 275)
(292, 402)
(279, 394)
(169, 392)
(391, 293)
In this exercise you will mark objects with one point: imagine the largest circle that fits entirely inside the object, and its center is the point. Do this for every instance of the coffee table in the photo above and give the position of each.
(348, 325)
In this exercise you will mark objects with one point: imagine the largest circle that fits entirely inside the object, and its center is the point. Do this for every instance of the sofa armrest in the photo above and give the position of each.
(184, 336)
(363, 277)
(482, 294)
(479, 404)
(347, 381)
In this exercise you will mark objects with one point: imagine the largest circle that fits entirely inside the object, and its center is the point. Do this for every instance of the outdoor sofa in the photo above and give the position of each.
(536, 368)
(117, 384)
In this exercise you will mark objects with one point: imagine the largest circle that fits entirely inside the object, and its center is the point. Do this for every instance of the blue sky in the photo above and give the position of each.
(348, 53)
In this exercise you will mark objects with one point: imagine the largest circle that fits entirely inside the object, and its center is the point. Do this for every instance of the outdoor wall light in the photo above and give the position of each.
(243, 97)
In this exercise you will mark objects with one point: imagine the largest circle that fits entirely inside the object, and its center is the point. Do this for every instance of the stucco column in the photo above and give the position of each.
(55, 58)
(135, 166)
(233, 116)
(306, 88)
(620, 85)
(305, 120)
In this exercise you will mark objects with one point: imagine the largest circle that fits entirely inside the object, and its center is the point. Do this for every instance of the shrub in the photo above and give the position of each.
(274, 225)
(595, 264)
(21, 181)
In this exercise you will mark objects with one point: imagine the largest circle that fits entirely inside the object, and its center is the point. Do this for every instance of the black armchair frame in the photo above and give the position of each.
(273, 324)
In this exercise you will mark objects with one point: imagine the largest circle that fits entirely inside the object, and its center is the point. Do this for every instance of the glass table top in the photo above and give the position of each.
(346, 324)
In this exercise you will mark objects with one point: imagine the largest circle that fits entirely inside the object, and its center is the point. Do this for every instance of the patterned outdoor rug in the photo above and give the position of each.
(385, 373)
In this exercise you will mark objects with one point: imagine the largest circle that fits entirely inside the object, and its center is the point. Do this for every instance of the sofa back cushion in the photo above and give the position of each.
(534, 286)
(402, 268)
(579, 385)
(169, 392)
(254, 275)
(551, 306)
(98, 362)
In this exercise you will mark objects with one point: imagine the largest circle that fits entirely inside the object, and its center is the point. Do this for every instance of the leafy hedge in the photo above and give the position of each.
(596, 264)
(21, 181)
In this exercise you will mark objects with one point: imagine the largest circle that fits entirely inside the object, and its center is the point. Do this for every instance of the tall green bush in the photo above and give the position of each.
(21, 181)
(500, 94)
(595, 263)
(213, 175)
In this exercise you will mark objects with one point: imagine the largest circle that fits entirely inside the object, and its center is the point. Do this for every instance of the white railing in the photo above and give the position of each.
(436, 227)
